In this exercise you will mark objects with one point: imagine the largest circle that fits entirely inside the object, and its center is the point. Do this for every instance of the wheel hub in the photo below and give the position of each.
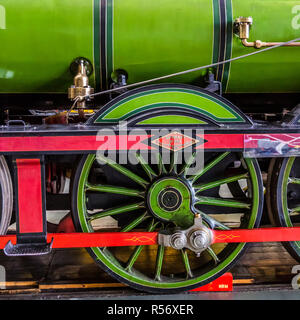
(169, 199)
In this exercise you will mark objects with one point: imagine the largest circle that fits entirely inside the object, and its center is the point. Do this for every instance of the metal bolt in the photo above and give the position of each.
(178, 240)
(200, 239)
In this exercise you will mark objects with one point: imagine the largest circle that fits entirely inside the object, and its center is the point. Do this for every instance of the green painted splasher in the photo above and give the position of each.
(156, 98)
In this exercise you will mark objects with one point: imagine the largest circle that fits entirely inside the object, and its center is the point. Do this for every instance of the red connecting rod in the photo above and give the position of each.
(118, 239)
(257, 235)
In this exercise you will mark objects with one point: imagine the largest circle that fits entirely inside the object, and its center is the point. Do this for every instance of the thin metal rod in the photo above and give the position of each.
(191, 70)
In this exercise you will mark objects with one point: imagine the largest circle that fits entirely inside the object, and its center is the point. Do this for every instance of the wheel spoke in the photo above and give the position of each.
(137, 251)
(159, 261)
(161, 166)
(114, 211)
(208, 166)
(187, 164)
(124, 171)
(186, 263)
(115, 190)
(213, 255)
(151, 174)
(217, 183)
(294, 180)
(173, 164)
(222, 202)
(213, 223)
(135, 222)
(294, 211)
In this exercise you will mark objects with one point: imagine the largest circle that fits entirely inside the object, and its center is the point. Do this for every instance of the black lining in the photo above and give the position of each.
(103, 44)
(222, 49)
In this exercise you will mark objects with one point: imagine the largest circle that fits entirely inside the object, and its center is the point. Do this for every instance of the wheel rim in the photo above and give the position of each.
(288, 191)
(164, 185)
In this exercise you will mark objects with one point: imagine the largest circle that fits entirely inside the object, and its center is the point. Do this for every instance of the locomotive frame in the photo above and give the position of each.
(170, 118)
(28, 145)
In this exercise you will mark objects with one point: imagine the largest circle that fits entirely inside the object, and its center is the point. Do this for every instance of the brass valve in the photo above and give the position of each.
(242, 27)
(81, 88)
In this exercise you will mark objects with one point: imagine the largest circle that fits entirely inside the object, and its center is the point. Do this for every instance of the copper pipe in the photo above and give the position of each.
(260, 44)
(243, 25)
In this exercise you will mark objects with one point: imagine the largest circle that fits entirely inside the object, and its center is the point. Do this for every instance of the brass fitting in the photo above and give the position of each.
(81, 88)
(242, 26)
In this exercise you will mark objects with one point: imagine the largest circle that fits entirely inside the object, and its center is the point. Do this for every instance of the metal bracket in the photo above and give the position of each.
(24, 249)
(212, 84)
(119, 78)
(196, 238)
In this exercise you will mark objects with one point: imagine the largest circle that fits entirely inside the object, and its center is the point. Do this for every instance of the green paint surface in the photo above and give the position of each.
(154, 38)
(180, 98)
(183, 215)
(174, 119)
(41, 39)
(273, 71)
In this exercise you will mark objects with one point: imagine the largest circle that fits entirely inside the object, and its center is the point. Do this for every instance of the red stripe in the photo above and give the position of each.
(222, 141)
(105, 239)
(110, 239)
(73, 143)
(257, 235)
(133, 142)
(30, 195)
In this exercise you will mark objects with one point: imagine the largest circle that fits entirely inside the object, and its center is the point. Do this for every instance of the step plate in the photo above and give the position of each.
(27, 249)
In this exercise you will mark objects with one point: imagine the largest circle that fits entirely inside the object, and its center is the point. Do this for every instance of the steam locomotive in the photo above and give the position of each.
(214, 82)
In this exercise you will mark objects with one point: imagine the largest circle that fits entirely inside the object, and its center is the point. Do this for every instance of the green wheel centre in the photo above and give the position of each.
(169, 199)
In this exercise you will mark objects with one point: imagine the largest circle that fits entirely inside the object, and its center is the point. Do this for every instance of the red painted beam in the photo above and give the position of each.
(30, 207)
(73, 143)
(257, 235)
(119, 239)
(97, 239)
(105, 239)
(66, 143)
